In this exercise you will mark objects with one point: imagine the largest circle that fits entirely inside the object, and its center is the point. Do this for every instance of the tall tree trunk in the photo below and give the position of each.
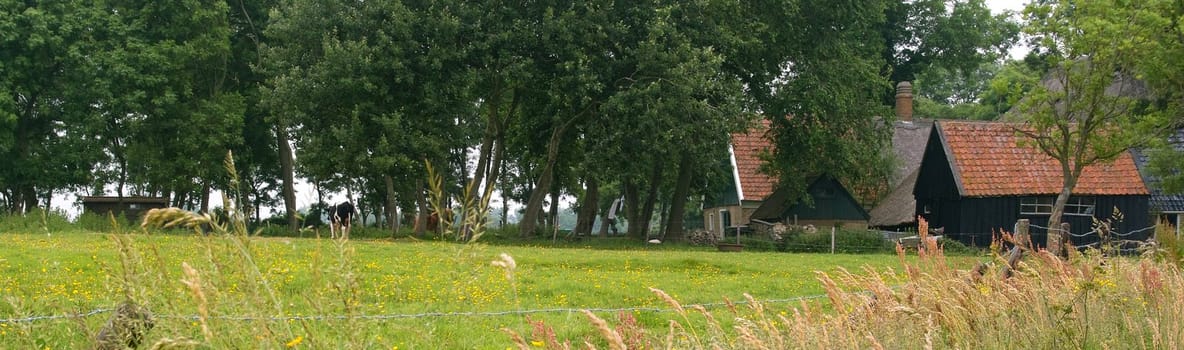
(179, 198)
(484, 159)
(588, 205)
(31, 199)
(390, 204)
(632, 213)
(534, 205)
(205, 196)
(604, 223)
(421, 215)
(287, 174)
(647, 210)
(553, 214)
(663, 210)
(505, 207)
(678, 201)
(1055, 242)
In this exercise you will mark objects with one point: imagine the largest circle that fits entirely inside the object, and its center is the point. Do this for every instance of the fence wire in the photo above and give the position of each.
(1096, 231)
(32, 319)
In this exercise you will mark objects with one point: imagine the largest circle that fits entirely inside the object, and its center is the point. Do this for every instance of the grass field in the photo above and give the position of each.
(60, 283)
(406, 294)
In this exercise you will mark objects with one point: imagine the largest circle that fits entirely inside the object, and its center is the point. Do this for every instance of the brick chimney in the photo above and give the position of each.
(904, 101)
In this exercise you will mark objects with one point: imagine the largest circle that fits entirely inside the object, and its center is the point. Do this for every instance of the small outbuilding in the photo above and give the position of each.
(752, 192)
(829, 205)
(130, 207)
(976, 179)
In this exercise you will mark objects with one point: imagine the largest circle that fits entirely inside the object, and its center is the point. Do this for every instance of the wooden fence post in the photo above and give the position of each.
(126, 328)
(832, 239)
(1022, 240)
(1023, 236)
(1066, 241)
(1055, 238)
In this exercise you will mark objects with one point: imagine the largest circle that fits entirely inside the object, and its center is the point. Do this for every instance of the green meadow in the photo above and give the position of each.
(263, 292)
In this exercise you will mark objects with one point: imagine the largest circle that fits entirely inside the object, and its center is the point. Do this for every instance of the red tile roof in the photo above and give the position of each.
(747, 148)
(989, 162)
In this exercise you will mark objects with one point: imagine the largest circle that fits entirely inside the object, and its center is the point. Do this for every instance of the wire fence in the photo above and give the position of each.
(33, 319)
(1121, 242)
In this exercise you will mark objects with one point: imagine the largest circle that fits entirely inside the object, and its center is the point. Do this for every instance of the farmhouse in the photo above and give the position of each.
(753, 192)
(976, 179)
(130, 207)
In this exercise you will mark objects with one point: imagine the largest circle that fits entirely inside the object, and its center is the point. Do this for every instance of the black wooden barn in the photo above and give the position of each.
(977, 179)
(131, 207)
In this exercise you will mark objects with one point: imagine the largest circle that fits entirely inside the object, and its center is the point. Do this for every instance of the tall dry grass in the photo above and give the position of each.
(1088, 301)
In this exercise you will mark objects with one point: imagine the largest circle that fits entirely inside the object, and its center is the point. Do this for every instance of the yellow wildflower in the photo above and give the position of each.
(295, 341)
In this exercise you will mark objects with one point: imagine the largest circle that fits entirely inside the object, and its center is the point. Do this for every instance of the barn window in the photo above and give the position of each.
(1036, 206)
(1043, 206)
(1080, 207)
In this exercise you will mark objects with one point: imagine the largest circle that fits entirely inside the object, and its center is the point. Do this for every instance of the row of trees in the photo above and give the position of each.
(596, 99)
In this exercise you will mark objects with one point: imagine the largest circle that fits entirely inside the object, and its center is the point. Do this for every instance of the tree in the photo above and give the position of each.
(1087, 110)
(958, 36)
(1163, 70)
(371, 89)
(820, 84)
(44, 109)
(986, 94)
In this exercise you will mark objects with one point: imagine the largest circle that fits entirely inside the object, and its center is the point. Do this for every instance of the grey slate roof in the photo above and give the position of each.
(1160, 201)
(908, 145)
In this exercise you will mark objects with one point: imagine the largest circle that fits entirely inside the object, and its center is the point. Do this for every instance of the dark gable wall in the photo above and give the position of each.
(831, 202)
(936, 188)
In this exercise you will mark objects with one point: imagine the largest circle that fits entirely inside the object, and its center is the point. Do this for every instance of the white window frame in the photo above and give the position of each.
(1080, 207)
(1076, 206)
(710, 221)
(1036, 206)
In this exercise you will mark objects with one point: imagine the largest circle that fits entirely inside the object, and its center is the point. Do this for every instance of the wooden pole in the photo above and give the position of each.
(1054, 241)
(832, 239)
(1064, 240)
(1023, 236)
(1022, 240)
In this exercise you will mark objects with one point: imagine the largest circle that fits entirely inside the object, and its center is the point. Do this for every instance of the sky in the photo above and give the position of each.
(1020, 49)
(306, 196)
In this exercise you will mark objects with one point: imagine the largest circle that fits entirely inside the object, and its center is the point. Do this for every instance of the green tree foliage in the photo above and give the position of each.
(956, 36)
(986, 94)
(1163, 70)
(45, 99)
(1088, 110)
(820, 84)
(372, 88)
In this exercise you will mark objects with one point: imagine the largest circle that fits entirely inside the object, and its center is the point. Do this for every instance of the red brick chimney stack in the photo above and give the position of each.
(904, 101)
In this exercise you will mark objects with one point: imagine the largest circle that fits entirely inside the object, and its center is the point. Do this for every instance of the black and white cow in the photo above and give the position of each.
(340, 217)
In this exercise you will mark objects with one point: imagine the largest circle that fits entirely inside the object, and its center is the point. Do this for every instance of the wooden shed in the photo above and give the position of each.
(130, 207)
(976, 179)
(830, 205)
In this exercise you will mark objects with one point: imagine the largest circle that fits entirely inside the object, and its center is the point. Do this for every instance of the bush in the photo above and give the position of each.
(102, 223)
(36, 220)
(846, 241)
(956, 247)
